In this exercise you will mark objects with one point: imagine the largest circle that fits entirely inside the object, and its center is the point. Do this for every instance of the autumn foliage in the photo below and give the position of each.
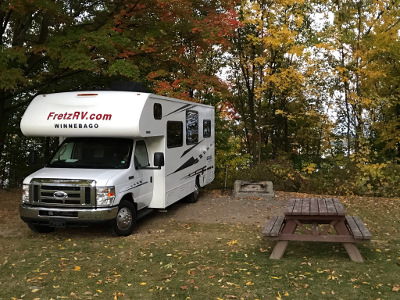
(310, 86)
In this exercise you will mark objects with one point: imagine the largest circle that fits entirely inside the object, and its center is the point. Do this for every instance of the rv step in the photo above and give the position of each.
(144, 212)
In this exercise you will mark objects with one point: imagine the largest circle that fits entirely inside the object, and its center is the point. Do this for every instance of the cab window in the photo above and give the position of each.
(141, 156)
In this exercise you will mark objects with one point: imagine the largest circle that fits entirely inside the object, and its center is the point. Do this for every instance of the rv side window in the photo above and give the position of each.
(141, 157)
(192, 127)
(206, 128)
(157, 111)
(174, 134)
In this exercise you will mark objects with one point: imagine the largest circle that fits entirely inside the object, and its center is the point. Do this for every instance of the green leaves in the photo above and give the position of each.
(11, 76)
(125, 69)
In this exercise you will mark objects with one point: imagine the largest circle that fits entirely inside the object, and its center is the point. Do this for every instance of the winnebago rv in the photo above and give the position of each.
(120, 154)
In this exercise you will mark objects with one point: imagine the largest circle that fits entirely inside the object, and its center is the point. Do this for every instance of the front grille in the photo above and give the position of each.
(35, 193)
(88, 192)
(63, 192)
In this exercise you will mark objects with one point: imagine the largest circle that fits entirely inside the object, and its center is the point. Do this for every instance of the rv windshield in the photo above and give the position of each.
(93, 153)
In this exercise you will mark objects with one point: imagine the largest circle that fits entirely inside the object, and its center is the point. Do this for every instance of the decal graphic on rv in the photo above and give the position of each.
(192, 161)
(75, 125)
(183, 108)
(121, 154)
(135, 185)
(78, 115)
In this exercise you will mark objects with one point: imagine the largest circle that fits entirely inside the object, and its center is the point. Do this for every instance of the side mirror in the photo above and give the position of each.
(159, 159)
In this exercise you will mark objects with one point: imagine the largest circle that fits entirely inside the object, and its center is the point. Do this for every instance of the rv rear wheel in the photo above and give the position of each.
(126, 219)
(40, 228)
(194, 196)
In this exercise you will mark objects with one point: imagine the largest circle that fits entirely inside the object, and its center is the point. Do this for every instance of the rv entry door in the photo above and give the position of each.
(144, 177)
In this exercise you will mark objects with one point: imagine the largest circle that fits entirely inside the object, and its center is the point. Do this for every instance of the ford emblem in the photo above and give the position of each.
(60, 195)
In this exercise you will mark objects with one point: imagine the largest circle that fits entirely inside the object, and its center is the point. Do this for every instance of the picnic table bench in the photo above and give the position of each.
(316, 220)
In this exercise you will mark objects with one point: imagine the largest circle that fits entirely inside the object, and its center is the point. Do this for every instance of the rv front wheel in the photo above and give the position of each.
(126, 219)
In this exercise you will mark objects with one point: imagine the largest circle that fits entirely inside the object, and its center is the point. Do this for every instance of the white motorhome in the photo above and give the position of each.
(120, 154)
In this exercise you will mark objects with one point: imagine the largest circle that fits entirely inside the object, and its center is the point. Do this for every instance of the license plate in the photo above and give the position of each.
(60, 223)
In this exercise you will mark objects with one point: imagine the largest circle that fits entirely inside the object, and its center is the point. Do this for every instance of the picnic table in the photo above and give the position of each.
(316, 220)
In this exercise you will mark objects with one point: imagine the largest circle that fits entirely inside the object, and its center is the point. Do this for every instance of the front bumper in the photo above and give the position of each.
(69, 216)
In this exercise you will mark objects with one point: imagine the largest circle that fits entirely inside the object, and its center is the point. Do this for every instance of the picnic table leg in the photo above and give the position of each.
(351, 248)
(280, 247)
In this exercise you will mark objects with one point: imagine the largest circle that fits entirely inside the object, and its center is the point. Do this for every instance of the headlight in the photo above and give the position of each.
(25, 193)
(105, 195)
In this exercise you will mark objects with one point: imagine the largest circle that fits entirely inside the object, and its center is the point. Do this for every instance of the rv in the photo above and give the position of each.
(121, 154)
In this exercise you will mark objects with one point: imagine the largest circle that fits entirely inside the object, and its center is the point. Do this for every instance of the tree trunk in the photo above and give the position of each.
(3, 122)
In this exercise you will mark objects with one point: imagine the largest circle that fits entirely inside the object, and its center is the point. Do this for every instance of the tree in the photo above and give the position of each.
(50, 45)
(269, 65)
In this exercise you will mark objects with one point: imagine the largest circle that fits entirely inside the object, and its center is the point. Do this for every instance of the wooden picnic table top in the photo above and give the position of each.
(313, 207)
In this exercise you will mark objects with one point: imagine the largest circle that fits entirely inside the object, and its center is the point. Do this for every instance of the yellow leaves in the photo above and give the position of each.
(77, 268)
(284, 114)
(233, 242)
(119, 295)
(254, 40)
(310, 168)
(249, 283)
(343, 73)
(143, 283)
(327, 46)
(296, 50)
(279, 297)
(332, 277)
(284, 80)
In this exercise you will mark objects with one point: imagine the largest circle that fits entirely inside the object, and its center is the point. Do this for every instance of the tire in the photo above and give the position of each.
(194, 196)
(40, 228)
(126, 219)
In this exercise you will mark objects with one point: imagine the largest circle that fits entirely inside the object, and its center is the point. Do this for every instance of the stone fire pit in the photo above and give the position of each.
(247, 189)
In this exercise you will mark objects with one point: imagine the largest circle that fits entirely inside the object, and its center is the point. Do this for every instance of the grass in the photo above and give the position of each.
(202, 261)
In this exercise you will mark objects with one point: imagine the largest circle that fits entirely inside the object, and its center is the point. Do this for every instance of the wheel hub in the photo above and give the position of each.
(124, 218)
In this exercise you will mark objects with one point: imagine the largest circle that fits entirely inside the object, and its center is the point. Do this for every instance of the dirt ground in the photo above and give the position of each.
(212, 207)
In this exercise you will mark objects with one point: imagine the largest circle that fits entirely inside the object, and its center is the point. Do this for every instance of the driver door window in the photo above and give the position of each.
(141, 156)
